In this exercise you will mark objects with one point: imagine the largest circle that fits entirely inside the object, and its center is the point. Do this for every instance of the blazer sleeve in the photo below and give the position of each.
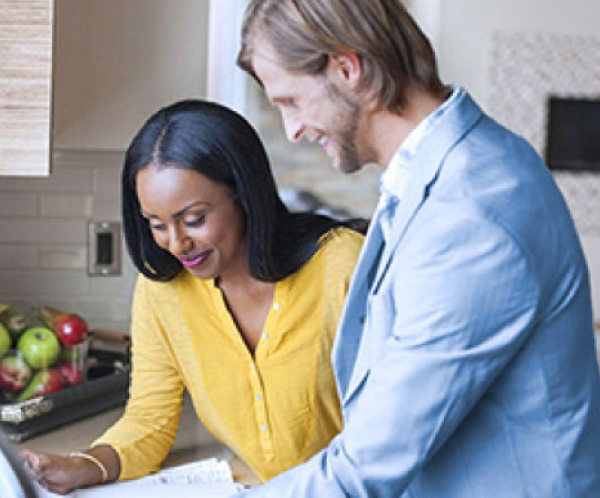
(456, 304)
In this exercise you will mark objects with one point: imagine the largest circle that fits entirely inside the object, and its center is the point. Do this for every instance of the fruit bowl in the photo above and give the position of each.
(40, 357)
(106, 387)
(27, 372)
(53, 370)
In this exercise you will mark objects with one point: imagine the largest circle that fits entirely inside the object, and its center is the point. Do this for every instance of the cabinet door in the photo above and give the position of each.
(26, 28)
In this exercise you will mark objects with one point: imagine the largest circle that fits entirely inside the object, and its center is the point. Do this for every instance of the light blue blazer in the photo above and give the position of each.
(465, 355)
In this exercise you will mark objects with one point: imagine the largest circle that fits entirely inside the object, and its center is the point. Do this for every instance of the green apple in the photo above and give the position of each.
(5, 340)
(39, 346)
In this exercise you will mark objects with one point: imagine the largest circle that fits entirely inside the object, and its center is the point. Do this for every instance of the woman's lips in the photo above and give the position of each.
(195, 261)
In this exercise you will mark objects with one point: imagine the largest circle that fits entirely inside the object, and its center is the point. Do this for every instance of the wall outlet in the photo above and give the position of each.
(104, 248)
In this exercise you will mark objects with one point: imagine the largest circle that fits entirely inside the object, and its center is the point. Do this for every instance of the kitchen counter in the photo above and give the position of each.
(193, 441)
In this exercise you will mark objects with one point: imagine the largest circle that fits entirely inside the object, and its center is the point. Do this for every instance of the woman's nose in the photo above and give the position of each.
(177, 241)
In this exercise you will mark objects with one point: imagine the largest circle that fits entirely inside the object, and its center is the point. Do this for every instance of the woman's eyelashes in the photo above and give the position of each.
(189, 221)
(194, 221)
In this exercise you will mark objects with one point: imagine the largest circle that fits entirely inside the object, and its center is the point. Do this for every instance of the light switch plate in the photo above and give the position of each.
(104, 248)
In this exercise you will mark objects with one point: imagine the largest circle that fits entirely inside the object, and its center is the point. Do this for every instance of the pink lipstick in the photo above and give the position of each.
(194, 261)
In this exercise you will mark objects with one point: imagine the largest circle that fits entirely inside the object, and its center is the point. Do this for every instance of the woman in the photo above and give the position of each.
(237, 303)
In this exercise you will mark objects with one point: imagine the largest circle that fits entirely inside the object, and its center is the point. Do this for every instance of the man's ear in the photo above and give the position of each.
(346, 69)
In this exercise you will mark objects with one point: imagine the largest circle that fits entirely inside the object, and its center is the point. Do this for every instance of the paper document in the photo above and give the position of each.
(209, 478)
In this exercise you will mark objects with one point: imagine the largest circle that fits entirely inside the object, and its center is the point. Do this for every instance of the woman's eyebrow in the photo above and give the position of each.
(183, 210)
(178, 213)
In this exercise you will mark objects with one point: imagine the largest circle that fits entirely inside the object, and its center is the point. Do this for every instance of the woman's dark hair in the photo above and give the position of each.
(221, 145)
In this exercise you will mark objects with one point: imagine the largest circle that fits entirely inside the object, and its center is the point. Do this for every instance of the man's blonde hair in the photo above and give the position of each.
(395, 54)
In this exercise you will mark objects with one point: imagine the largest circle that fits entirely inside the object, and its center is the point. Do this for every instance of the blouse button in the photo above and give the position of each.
(265, 335)
(276, 306)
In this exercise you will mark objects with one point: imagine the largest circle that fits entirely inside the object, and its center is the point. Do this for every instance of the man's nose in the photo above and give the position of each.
(294, 129)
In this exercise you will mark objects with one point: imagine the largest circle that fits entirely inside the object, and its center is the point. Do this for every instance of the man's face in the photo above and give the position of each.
(313, 108)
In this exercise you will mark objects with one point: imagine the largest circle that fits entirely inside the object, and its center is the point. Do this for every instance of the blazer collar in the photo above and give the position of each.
(427, 163)
(351, 361)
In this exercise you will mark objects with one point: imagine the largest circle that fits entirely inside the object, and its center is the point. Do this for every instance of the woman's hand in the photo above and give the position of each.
(61, 474)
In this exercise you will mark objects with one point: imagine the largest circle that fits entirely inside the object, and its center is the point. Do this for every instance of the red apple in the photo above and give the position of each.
(14, 372)
(70, 328)
(71, 372)
(44, 382)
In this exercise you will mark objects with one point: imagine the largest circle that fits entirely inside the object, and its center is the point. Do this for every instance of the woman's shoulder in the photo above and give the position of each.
(341, 248)
(343, 242)
(155, 288)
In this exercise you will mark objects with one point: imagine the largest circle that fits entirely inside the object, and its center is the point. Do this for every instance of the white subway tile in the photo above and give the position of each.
(43, 231)
(18, 256)
(87, 159)
(26, 283)
(60, 180)
(65, 206)
(99, 310)
(107, 181)
(17, 205)
(63, 257)
(106, 207)
(115, 286)
(24, 304)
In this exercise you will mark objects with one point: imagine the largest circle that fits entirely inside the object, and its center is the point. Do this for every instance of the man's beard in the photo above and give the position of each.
(348, 160)
(344, 137)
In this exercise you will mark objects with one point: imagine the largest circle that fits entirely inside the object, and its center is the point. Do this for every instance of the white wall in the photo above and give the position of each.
(465, 28)
(118, 61)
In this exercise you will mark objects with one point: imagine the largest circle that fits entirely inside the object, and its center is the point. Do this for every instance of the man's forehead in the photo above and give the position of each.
(273, 77)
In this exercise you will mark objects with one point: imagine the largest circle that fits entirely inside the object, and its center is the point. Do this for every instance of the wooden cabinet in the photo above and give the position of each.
(26, 42)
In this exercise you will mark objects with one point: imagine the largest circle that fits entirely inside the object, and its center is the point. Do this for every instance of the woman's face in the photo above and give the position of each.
(193, 218)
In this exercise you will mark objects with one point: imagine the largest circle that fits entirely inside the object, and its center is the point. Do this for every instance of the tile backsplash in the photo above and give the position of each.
(43, 239)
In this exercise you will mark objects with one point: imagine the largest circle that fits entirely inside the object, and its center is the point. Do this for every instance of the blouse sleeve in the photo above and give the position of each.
(146, 431)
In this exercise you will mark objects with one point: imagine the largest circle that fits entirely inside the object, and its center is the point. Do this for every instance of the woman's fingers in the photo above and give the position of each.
(33, 464)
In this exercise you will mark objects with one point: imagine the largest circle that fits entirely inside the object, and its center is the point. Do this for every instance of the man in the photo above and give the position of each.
(465, 356)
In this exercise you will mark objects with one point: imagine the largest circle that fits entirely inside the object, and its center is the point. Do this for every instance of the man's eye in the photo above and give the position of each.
(285, 103)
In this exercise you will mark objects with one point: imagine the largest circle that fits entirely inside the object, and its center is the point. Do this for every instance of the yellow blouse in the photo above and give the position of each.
(274, 410)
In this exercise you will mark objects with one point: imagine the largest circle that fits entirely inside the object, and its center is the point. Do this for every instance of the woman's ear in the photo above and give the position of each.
(346, 69)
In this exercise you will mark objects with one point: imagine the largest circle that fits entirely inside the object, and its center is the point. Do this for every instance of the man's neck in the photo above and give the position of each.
(389, 130)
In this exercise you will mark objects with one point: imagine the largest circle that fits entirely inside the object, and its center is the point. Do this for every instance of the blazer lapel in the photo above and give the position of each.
(452, 127)
(348, 337)
(352, 360)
